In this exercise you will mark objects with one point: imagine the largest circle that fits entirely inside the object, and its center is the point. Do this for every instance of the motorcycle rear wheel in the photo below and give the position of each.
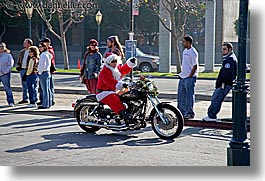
(174, 118)
(82, 115)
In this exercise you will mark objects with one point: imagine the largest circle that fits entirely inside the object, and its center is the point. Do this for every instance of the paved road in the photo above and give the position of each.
(58, 141)
(55, 139)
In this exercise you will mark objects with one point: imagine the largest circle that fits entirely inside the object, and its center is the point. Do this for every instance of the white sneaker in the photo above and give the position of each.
(11, 105)
(32, 105)
(206, 118)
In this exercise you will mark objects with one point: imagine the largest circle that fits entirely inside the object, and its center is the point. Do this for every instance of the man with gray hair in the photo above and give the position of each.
(21, 67)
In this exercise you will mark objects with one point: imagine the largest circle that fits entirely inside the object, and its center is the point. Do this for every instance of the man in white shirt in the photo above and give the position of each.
(21, 67)
(188, 76)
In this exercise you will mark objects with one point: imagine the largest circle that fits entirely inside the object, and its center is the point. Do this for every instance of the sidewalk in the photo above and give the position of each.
(64, 109)
(70, 84)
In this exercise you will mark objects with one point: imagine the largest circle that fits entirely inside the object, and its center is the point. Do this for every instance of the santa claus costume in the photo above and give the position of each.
(109, 81)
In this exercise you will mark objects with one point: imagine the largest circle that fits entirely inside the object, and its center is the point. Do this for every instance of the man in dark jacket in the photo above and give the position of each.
(21, 67)
(224, 82)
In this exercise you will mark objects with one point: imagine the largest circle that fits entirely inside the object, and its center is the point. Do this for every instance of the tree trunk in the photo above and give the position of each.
(63, 42)
(3, 33)
(65, 52)
(178, 63)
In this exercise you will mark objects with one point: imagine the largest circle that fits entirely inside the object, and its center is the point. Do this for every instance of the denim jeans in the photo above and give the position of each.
(217, 99)
(5, 79)
(52, 87)
(24, 86)
(32, 87)
(186, 97)
(45, 89)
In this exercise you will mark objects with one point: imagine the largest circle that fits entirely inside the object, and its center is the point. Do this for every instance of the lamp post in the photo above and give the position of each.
(29, 12)
(238, 152)
(98, 20)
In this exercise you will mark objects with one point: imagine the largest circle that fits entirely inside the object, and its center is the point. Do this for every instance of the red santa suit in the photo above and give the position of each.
(109, 81)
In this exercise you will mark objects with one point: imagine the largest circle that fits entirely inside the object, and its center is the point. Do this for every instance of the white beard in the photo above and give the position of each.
(115, 72)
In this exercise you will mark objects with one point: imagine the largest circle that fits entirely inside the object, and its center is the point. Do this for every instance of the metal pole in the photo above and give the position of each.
(131, 36)
(30, 34)
(132, 18)
(98, 35)
(238, 152)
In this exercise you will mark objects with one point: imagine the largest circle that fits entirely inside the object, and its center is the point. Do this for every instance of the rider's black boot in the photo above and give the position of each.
(125, 117)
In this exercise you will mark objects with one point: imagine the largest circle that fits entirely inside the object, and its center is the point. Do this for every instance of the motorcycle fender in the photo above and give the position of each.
(152, 113)
(87, 102)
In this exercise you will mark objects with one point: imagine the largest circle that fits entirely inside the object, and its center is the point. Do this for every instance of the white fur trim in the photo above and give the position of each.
(112, 57)
(119, 85)
(115, 72)
(130, 64)
(104, 94)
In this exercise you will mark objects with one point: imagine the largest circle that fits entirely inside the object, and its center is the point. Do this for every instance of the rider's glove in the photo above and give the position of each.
(133, 60)
(125, 85)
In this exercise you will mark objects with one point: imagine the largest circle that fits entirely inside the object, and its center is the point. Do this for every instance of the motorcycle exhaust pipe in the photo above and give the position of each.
(104, 126)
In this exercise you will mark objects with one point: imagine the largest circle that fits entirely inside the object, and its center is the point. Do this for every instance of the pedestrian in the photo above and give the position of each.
(32, 75)
(91, 66)
(188, 76)
(224, 81)
(110, 80)
(47, 42)
(45, 76)
(21, 67)
(114, 46)
(6, 64)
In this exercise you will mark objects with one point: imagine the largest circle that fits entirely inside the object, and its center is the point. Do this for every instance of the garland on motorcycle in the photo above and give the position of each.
(166, 120)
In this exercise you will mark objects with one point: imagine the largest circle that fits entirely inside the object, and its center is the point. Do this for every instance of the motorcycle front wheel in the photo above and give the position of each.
(82, 115)
(174, 122)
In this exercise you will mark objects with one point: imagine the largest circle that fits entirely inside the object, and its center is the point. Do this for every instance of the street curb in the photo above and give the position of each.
(162, 95)
(156, 77)
(225, 124)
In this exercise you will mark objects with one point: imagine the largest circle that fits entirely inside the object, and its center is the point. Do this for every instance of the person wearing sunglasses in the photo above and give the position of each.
(224, 82)
(32, 75)
(109, 82)
(91, 67)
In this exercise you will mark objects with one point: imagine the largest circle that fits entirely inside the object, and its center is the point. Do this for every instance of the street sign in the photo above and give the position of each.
(135, 8)
(130, 48)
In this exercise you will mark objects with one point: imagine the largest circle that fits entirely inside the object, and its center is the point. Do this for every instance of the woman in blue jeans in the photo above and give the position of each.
(32, 74)
(6, 64)
(45, 76)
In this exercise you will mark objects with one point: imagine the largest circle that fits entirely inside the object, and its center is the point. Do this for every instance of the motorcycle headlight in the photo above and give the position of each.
(150, 86)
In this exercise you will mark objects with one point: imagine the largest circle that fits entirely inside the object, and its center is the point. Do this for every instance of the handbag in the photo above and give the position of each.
(82, 79)
(52, 68)
(24, 77)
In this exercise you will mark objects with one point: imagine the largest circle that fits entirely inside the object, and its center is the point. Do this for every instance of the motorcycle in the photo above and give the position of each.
(166, 120)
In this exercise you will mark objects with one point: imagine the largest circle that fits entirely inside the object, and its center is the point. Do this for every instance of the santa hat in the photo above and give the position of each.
(112, 57)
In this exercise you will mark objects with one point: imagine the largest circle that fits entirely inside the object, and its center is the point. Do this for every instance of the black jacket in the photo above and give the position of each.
(227, 73)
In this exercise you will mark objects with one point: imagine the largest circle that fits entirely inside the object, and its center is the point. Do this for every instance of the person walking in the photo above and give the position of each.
(224, 81)
(47, 42)
(32, 75)
(6, 64)
(21, 67)
(188, 76)
(91, 66)
(44, 76)
(114, 46)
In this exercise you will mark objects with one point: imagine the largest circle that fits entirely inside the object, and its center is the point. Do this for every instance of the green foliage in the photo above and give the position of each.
(236, 26)
(145, 83)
